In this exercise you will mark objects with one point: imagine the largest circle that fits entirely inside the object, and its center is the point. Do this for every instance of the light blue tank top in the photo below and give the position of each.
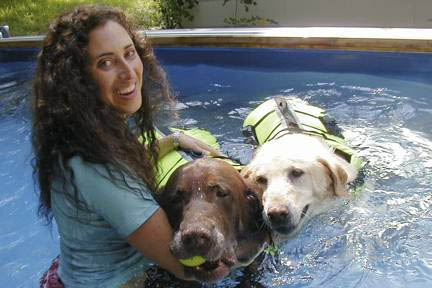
(93, 247)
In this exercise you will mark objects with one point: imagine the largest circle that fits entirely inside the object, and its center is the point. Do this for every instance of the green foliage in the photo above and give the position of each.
(146, 13)
(32, 17)
(175, 11)
(248, 21)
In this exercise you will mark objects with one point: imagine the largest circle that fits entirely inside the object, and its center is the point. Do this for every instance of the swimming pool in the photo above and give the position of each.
(382, 238)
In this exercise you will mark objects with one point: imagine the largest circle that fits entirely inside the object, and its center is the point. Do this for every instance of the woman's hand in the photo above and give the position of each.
(189, 143)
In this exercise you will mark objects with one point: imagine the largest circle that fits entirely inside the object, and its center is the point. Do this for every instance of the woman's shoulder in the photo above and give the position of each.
(122, 201)
(89, 174)
(91, 177)
(87, 170)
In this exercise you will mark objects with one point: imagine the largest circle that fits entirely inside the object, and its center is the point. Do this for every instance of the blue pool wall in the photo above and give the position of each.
(417, 66)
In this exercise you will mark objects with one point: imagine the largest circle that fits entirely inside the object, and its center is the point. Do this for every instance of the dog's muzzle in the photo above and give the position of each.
(281, 219)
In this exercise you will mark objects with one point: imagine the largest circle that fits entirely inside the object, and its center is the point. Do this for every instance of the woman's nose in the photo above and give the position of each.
(126, 70)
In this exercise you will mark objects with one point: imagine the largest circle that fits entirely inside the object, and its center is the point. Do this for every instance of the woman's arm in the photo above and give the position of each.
(186, 142)
(152, 239)
(135, 216)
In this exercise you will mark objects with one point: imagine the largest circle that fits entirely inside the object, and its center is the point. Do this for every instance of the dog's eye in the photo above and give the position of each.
(251, 195)
(254, 201)
(297, 173)
(261, 180)
(221, 193)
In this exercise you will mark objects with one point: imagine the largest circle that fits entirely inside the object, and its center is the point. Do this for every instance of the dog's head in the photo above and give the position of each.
(296, 176)
(212, 212)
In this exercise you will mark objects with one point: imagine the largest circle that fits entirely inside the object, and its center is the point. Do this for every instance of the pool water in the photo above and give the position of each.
(380, 238)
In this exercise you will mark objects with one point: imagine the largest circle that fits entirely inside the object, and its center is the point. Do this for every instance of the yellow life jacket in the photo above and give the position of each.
(282, 115)
(175, 158)
(272, 119)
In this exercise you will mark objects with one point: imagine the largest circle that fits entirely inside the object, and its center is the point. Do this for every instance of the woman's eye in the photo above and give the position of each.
(297, 173)
(104, 64)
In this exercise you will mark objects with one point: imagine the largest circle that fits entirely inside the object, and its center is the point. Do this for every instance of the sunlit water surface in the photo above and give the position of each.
(380, 238)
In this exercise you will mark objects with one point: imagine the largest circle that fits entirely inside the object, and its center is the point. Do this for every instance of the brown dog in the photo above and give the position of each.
(214, 214)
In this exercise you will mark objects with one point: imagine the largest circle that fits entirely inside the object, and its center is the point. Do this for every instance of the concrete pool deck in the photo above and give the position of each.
(337, 38)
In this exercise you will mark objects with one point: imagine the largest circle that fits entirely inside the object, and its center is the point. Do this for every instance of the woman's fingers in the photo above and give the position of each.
(190, 143)
(210, 151)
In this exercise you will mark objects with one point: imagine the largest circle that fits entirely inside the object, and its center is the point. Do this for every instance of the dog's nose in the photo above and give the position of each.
(279, 216)
(196, 239)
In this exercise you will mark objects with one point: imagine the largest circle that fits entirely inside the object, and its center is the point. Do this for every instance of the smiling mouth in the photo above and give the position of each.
(128, 92)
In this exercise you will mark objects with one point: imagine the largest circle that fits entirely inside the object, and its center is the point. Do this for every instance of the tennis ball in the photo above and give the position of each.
(192, 261)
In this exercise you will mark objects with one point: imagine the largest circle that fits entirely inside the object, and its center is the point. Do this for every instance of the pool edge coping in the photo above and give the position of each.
(335, 38)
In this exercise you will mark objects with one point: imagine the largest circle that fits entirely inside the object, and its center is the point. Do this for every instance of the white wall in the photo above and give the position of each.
(329, 13)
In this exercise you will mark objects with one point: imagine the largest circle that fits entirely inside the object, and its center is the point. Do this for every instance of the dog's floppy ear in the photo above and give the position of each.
(340, 175)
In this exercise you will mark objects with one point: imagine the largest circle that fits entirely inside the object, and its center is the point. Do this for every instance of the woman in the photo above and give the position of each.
(93, 76)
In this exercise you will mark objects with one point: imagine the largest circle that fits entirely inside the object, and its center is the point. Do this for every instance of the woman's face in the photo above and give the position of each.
(116, 67)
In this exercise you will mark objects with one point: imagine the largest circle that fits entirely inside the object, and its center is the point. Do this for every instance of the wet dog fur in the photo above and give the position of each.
(296, 177)
(214, 214)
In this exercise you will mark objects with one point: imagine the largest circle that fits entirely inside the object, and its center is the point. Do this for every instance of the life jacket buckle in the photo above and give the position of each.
(289, 118)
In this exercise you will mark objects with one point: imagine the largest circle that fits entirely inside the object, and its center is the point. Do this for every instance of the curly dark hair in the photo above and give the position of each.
(68, 117)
